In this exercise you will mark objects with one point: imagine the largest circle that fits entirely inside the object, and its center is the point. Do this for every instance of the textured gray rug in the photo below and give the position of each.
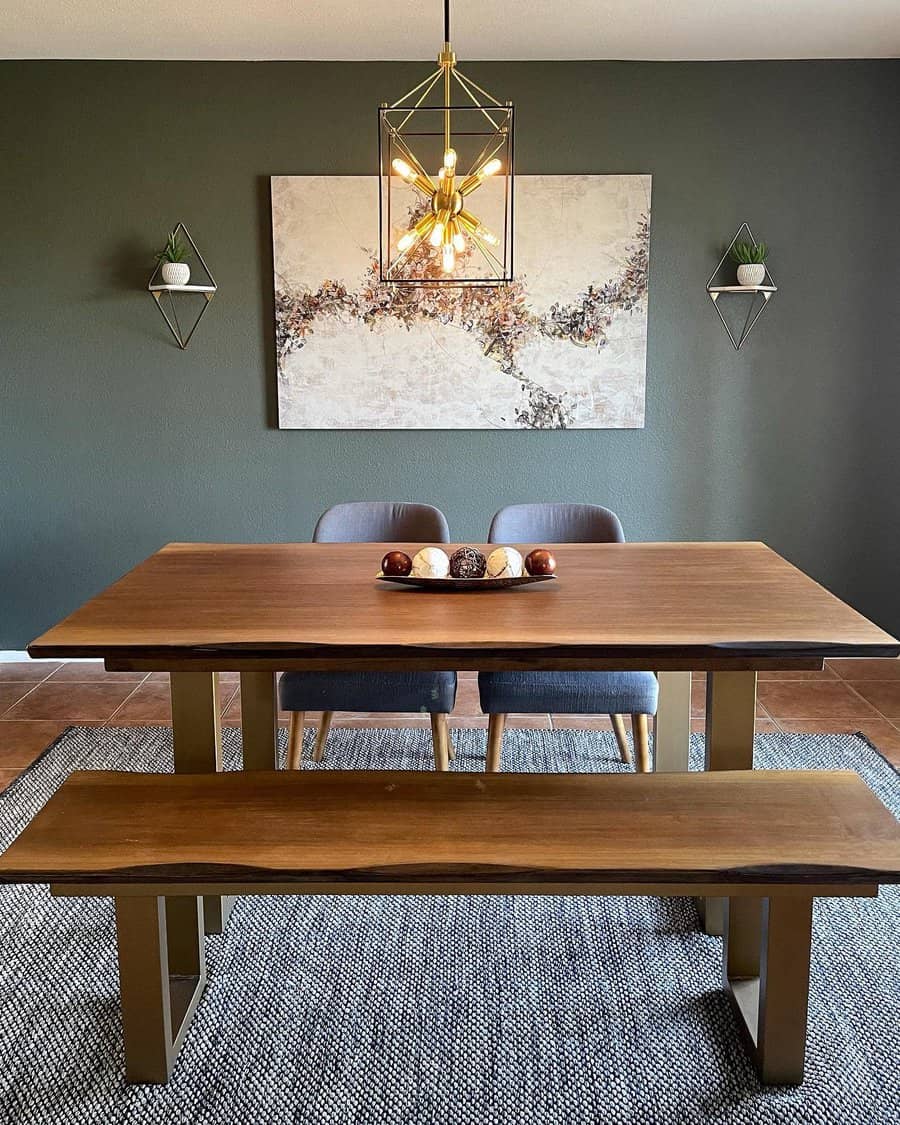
(463, 1011)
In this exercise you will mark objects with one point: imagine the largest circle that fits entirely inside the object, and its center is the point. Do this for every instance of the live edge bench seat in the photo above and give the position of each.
(769, 842)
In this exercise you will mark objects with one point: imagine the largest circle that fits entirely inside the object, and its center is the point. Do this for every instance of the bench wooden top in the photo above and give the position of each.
(768, 827)
(655, 605)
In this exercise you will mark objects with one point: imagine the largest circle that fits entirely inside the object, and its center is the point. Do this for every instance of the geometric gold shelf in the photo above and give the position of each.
(164, 295)
(756, 308)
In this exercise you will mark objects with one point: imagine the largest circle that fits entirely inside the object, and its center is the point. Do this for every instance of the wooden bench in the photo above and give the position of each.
(767, 841)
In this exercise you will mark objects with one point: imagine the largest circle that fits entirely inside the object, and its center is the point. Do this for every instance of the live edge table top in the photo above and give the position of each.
(665, 606)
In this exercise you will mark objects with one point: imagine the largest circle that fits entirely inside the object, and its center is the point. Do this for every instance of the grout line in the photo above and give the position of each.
(21, 697)
(140, 683)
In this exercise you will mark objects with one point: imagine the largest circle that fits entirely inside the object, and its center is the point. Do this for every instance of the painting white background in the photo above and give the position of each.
(571, 232)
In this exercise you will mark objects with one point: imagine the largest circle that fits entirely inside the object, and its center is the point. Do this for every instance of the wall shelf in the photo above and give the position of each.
(159, 290)
(756, 308)
(182, 288)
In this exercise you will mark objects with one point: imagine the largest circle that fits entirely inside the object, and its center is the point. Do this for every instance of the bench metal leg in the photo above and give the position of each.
(773, 1005)
(672, 724)
(730, 725)
(161, 980)
(197, 741)
(259, 721)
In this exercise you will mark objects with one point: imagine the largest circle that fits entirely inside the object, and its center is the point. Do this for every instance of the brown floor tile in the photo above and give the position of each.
(825, 673)
(151, 703)
(467, 700)
(7, 777)
(884, 695)
(884, 734)
(796, 699)
(74, 702)
(231, 707)
(21, 742)
(148, 703)
(32, 671)
(869, 668)
(92, 672)
(10, 694)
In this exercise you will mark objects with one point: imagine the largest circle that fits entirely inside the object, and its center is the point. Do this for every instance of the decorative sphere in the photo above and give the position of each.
(396, 562)
(430, 562)
(505, 562)
(467, 563)
(540, 561)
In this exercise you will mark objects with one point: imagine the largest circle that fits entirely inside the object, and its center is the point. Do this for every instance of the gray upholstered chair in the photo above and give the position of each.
(566, 693)
(433, 693)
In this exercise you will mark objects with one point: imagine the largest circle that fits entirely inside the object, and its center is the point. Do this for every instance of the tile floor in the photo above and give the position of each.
(38, 700)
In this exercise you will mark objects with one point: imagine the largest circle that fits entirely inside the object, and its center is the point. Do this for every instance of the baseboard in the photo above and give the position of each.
(20, 656)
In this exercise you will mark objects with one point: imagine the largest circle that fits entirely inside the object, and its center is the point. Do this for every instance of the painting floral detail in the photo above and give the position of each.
(562, 346)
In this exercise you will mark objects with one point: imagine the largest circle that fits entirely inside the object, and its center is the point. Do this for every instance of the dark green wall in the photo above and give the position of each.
(114, 442)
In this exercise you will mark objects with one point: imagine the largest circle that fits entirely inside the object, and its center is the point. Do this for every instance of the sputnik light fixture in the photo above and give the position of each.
(430, 232)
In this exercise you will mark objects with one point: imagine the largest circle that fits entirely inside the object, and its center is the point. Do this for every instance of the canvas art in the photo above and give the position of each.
(562, 346)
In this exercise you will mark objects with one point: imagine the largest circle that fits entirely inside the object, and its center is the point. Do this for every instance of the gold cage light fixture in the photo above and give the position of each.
(430, 232)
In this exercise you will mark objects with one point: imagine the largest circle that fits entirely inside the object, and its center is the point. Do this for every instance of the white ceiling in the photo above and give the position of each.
(481, 29)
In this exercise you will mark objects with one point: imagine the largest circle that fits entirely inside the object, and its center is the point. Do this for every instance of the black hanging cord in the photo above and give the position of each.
(446, 21)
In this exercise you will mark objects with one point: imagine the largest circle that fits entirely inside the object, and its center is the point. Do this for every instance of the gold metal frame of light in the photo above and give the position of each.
(446, 242)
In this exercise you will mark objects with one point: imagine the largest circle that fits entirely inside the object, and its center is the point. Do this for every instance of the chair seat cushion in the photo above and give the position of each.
(429, 692)
(568, 693)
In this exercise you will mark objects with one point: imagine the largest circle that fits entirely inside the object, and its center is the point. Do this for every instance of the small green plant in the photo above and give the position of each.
(174, 251)
(749, 253)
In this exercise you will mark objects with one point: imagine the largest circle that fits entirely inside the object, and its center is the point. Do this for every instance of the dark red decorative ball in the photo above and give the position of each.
(467, 562)
(396, 562)
(540, 561)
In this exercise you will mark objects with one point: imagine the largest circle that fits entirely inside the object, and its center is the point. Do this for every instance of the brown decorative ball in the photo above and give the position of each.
(540, 561)
(396, 562)
(467, 563)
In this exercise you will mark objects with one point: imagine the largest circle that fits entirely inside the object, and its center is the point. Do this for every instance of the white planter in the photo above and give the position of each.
(179, 273)
(753, 274)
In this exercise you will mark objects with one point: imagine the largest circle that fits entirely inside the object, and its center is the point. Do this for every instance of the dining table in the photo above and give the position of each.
(730, 610)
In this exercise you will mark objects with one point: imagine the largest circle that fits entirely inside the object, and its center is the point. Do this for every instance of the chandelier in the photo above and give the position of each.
(453, 227)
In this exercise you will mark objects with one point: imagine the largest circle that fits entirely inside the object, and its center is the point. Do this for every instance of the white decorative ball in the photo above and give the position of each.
(430, 562)
(505, 562)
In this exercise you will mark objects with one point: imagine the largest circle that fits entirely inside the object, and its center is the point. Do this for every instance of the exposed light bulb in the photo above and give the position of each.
(487, 236)
(406, 241)
(448, 257)
(491, 168)
(450, 159)
(437, 235)
(459, 242)
(404, 170)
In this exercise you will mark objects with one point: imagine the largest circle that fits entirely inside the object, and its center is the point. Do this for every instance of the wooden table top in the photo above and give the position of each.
(772, 827)
(283, 605)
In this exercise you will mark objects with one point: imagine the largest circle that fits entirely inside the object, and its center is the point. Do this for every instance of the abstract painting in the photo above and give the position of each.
(562, 346)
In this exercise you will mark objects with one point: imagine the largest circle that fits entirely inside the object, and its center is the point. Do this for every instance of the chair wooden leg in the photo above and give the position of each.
(641, 730)
(618, 725)
(295, 741)
(440, 737)
(496, 723)
(322, 735)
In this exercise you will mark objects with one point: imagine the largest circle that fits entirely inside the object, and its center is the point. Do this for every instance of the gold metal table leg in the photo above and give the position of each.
(730, 724)
(672, 724)
(773, 1006)
(197, 741)
(259, 721)
(160, 982)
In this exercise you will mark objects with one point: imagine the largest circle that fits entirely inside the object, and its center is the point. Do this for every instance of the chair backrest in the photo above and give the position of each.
(555, 523)
(371, 521)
